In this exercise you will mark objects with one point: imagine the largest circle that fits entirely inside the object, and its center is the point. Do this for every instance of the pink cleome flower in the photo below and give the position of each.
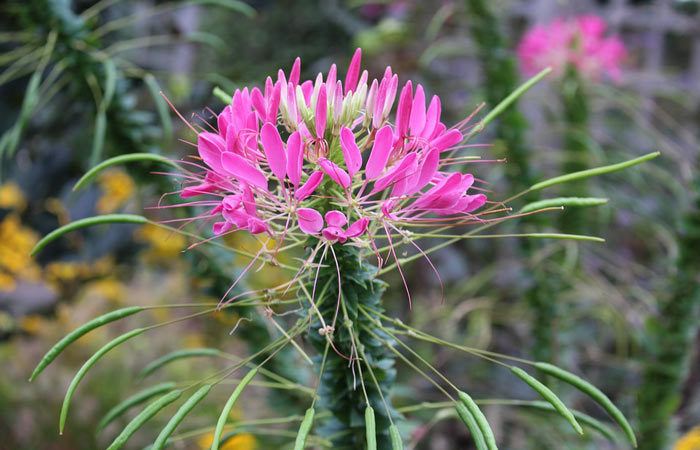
(580, 42)
(322, 158)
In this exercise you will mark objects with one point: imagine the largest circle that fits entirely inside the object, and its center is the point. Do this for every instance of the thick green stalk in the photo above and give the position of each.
(670, 338)
(340, 390)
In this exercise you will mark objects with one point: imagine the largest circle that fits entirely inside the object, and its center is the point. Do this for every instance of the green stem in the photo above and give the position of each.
(339, 388)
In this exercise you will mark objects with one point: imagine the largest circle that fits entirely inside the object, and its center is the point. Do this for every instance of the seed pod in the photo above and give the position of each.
(84, 369)
(480, 420)
(175, 420)
(472, 426)
(370, 429)
(228, 406)
(79, 332)
(563, 201)
(304, 429)
(132, 401)
(548, 395)
(596, 394)
(117, 160)
(145, 415)
(396, 441)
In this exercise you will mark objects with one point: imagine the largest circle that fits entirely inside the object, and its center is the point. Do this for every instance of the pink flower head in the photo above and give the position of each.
(579, 42)
(341, 158)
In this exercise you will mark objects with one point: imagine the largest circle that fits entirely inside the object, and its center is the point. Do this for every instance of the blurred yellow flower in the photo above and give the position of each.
(690, 441)
(11, 197)
(243, 441)
(108, 288)
(117, 187)
(16, 241)
(32, 324)
(165, 244)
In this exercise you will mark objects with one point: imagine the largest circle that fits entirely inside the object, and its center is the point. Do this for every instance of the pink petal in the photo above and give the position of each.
(335, 173)
(427, 171)
(295, 158)
(379, 155)
(220, 228)
(258, 102)
(335, 218)
(242, 170)
(417, 121)
(334, 234)
(353, 71)
(358, 228)
(310, 220)
(310, 186)
(321, 112)
(351, 153)
(396, 172)
(274, 150)
(476, 202)
(404, 110)
(210, 146)
(295, 72)
(447, 140)
(331, 78)
(432, 117)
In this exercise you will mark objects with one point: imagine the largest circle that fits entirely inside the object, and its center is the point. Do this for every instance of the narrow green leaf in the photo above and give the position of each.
(472, 426)
(132, 401)
(548, 395)
(84, 369)
(84, 223)
(563, 201)
(593, 172)
(98, 137)
(304, 430)
(110, 83)
(509, 100)
(228, 406)
(161, 105)
(396, 441)
(174, 356)
(80, 331)
(233, 5)
(143, 417)
(370, 429)
(481, 421)
(596, 394)
(178, 417)
(222, 95)
(121, 159)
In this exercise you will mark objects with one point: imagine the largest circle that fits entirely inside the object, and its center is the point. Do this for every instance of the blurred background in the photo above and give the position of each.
(623, 314)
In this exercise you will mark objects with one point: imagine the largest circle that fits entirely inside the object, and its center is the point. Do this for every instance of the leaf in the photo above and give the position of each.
(161, 105)
(563, 201)
(122, 159)
(143, 417)
(84, 223)
(79, 332)
(84, 369)
(132, 401)
(98, 137)
(174, 356)
(596, 394)
(548, 395)
(593, 172)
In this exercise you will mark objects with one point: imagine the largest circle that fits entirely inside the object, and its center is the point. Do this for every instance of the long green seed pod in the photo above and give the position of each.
(229, 405)
(596, 394)
(585, 419)
(143, 417)
(480, 419)
(132, 401)
(175, 420)
(563, 201)
(174, 356)
(472, 426)
(84, 369)
(117, 160)
(79, 332)
(583, 174)
(396, 441)
(370, 428)
(548, 395)
(84, 223)
(304, 429)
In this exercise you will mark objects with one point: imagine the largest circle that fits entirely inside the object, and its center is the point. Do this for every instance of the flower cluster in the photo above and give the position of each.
(323, 158)
(579, 42)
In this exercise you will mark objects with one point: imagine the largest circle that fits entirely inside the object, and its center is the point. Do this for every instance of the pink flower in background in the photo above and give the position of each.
(580, 42)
